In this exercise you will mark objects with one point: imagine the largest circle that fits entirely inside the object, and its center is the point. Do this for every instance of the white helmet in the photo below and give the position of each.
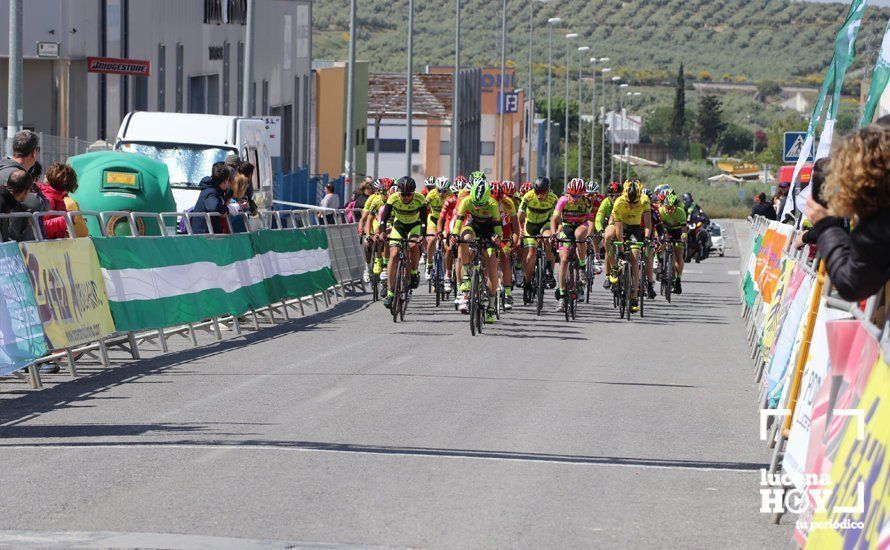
(442, 184)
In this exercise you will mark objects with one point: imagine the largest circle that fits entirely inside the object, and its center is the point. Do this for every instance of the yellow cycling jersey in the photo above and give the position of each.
(489, 213)
(406, 213)
(435, 201)
(538, 211)
(374, 203)
(630, 213)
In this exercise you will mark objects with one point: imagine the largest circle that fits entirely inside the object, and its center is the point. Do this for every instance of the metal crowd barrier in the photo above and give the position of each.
(779, 430)
(344, 248)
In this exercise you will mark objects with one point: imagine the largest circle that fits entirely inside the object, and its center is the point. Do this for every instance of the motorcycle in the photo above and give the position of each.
(699, 240)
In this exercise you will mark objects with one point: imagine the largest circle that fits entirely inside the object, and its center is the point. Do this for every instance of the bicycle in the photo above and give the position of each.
(479, 294)
(538, 283)
(437, 276)
(573, 277)
(621, 295)
(402, 281)
(667, 268)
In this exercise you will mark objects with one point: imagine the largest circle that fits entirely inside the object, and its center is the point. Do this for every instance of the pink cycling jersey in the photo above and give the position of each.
(575, 213)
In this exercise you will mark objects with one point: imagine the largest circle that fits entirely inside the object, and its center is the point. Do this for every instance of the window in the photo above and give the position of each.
(240, 90)
(298, 152)
(204, 94)
(213, 94)
(487, 148)
(265, 98)
(237, 12)
(179, 77)
(162, 77)
(213, 12)
(394, 145)
(226, 78)
(231, 12)
(140, 93)
(444, 147)
(252, 100)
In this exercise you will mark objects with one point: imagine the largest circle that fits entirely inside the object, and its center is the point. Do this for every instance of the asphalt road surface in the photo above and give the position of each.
(344, 429)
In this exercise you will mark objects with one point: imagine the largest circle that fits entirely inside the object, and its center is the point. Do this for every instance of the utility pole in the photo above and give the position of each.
(565, 170)
(581, 51)
(14, 104)
(531, 91)
(349, 154)
(603, 131)
(501, 93)
(248, 63)
(409, 114)
(550, 22)
(455, 102)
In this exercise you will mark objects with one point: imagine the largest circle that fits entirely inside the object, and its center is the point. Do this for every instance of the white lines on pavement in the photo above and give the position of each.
(733, 272)
(693, 271)
(414, 452)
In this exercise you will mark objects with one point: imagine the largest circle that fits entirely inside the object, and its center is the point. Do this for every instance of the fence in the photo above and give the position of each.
(300, 187)
(824, 395)
(56, 148)
(68, 299)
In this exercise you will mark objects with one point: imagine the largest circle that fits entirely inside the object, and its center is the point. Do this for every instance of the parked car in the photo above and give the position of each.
(717, 241)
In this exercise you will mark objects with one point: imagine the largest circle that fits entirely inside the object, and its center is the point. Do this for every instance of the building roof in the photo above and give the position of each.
(387, 95)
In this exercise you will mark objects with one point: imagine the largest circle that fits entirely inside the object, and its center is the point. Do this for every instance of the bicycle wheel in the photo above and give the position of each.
(667, 282)
(618, 291)
(375, 287)
(576, 277)
(474, 301)
(642, 290)
(397, 298)
(539, 281)
(628, 293)
(590, 275)
(567, 295)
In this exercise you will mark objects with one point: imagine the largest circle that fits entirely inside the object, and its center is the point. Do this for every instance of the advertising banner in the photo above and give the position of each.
(768, 267)
(68, 287)
(167, 281)
(21, 333)
(786, 341)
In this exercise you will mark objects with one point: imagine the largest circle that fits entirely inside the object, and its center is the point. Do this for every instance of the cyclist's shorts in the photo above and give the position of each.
(403, 231)
(375, 225)
(568, 233)
(676, 234)
(431, 223)
(480, 230)
(532, 230)
(634, 231)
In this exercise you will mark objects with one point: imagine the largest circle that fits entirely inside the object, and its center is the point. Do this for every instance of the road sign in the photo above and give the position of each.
(48, 49)
(510, 102)
(111, 65)
(794, 142)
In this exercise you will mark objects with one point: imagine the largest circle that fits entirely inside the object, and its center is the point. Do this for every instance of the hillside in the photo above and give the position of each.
(738, 40)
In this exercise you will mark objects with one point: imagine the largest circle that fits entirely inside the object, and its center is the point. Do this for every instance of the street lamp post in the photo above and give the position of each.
(603, 130)
(455, 102)
(612, 131)
(621, 130)
(349, 154)
(581, 51)
(501, 92)
(409, 115)
(531, 86)
(550, 22)
(565, 170)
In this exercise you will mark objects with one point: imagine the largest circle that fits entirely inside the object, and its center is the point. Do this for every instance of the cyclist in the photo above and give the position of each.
(435, 199)
(524, 188)
(368, 224)
(657, 230)
(535, 211)
(603, 224)
(510, 242)
(409, 210)
(596, 199)
(484, 222)
(573, 214)
(674, 219)
(428, 185)
(632, 218)
(444, 228)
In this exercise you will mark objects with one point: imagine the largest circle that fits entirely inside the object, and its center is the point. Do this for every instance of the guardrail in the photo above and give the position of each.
(824, 392)
(342, 245)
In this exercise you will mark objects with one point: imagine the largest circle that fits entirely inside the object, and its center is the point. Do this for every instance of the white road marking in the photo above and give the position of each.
(733, 272)
(418, 453)
(693, 271)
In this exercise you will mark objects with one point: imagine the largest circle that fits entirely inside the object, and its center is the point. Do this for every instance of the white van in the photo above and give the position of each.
(189, 144)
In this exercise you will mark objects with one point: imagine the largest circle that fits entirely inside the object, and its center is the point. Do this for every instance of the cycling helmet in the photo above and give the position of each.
(661, 187)
(442, 184)
(455, 187)
(430, 182)
(632, 190)
(480, 193)
(460, 180)
(387, 183)
(541, 184)
(509, 188)
(525, 188)
(687, 199)
(378, 185)
(663, 191)
(576, 187)
(497, 190)
(647, 192)
(614, 188)
(672, 200)
(477, 176)
(407, 185)
(593, 187)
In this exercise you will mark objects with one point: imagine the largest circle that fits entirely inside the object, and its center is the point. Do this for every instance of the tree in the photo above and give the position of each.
(705, 75)
(766, 89)
(678, 120)
(735, 139)
(657, 126)
(710, 120)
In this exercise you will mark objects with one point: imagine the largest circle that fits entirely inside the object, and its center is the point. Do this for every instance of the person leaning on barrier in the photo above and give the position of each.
(213, 199)
(60, 181)
(241, 203)
(11, 196)
(25, 148)
(857, 187)
(763, 207)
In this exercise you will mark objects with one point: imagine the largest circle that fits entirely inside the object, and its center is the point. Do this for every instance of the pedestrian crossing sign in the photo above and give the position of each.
(794, 145)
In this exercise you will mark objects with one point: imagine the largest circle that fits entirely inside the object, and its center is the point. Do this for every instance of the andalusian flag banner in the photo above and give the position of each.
(878, 80)
(165, 281)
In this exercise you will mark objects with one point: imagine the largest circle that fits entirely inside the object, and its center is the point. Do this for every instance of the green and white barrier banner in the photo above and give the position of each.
(165, 281)
(879, 80)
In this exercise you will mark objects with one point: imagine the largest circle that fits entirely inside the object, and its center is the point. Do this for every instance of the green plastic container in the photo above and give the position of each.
(116, 181)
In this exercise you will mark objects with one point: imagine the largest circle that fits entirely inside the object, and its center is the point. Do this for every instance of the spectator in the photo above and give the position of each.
(213, 199)
(241, 201)
(357, 204)
(331, 201)
(857, 187)
(11, 196)
(60, 181)
(233, 161)
(762, 207)
(778, 199)
(25, 148)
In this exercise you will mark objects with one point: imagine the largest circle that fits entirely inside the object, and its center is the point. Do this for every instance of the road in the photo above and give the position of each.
(343, 429)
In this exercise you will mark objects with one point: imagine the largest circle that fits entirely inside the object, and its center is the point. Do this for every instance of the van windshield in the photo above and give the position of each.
(187, 164)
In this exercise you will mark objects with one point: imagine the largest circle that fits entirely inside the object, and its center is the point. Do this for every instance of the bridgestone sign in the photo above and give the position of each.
(132, 67)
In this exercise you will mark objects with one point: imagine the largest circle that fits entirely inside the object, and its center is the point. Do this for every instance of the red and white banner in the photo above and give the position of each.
(111, 65)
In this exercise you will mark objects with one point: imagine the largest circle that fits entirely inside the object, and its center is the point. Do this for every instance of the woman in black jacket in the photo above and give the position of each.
(857, 187)
(213, 199)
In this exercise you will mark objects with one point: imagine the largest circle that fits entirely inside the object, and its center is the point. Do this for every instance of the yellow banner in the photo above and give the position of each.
(69, 290)
(858, 509)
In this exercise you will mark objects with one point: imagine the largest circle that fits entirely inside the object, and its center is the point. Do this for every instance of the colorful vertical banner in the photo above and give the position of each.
(21, 333)
(879, 80)
(69, 290)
